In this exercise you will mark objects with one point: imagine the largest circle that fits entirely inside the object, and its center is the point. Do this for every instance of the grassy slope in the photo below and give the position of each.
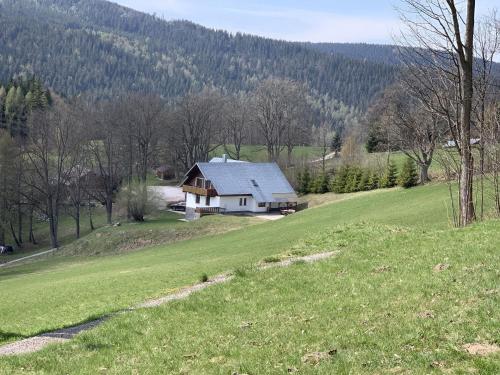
(379, 304)
(102, 285)
(83, 288)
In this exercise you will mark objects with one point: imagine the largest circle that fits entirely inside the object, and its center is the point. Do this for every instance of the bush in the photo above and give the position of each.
(390, 177)
(204, 278)
(408, 176)
(136, 199)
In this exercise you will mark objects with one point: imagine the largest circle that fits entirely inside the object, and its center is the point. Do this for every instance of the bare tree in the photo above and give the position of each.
(280, 108)
(443, 65)
(487, 46)
(237, 121)
(196, 127)
(49, 152)
(409, 126)
(106, 153)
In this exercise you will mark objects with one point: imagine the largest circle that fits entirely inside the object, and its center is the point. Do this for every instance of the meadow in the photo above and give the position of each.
(370, 303)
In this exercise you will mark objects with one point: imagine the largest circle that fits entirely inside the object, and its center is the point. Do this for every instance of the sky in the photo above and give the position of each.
(369, 21)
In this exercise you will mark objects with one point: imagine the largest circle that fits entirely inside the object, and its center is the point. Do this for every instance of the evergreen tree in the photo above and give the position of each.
(372, 143)
(340, 180)
(390, 176)
(353, 180)
(408, 176)
(364, 182)
(374, 181)
(336, 145)
(322, 184)
(305, 182)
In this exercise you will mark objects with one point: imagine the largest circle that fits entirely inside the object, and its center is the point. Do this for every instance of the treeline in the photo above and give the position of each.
(102, 49)
(354, 178)
(73, 155)
(17, 100)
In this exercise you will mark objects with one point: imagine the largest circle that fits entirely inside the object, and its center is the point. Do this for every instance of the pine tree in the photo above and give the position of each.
(390, 176)
(305, 182)
(374, 181)
(364, 182)
(336, 145)
(340, 180)
(322, 184)
(408, 176)
(371, 143)
(353, 180)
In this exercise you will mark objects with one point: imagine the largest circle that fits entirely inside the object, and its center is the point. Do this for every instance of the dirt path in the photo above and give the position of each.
(36, 343)
(27, 257)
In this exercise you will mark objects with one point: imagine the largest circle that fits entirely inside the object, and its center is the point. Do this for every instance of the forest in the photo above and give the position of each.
(100, 49)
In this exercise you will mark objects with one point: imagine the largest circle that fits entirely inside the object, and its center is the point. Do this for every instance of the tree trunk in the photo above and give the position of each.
(52, 223)
(14, 237)
(31, 233)
(77, 221)
(109, 209)
(19, 221)
(424, 173)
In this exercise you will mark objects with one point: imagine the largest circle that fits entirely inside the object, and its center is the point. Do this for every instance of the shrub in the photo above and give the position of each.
(408, 176)
(204, 278)
(137, 200)
(390, 176)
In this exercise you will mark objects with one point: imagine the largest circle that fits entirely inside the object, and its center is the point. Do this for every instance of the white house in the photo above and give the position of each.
(229, 186)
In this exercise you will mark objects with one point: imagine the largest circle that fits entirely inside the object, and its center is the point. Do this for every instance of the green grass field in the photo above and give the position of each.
(379, 303)
(256, 153)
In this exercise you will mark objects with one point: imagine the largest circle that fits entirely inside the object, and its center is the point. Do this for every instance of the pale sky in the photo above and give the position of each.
(370, 21)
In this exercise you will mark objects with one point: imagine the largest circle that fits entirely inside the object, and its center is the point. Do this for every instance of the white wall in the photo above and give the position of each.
(230, 204)
(191, 201)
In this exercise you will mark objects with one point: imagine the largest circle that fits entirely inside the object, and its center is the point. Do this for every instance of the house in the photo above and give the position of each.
(229, 186)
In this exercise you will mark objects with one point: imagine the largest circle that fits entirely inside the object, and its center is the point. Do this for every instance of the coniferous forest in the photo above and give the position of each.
(102, 49)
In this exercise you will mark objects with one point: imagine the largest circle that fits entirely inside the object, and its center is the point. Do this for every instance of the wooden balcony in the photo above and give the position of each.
(210, 210)
(199, 191)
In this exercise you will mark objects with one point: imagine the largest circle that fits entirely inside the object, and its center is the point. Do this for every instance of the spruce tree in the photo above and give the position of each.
(340, 180)
(408, 176)
(390, 177)
(374, 181)
(305, 182)
(364, 182)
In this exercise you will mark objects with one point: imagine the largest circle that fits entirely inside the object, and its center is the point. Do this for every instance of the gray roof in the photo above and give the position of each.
(264, 181)
(222, 160)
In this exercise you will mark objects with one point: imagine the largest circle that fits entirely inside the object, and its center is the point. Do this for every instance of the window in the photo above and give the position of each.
(243, 201)
(262, 204)
(207, 201)
(197, 198)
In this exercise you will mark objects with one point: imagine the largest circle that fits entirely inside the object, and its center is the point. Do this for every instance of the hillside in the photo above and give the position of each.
(265, 321)
(97, 47)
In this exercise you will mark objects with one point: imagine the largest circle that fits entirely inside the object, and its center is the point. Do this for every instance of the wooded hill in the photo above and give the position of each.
(100, 48)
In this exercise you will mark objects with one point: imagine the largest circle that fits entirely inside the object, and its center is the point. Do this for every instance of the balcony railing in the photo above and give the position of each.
(210, 210)
(199, 191)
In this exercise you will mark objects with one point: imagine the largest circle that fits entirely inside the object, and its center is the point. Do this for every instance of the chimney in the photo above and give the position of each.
(224, 157)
